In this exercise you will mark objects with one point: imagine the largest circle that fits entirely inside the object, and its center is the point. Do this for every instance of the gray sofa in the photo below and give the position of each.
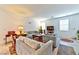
(26, 46)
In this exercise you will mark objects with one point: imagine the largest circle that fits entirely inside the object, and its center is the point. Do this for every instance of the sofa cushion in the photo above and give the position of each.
(32, 43)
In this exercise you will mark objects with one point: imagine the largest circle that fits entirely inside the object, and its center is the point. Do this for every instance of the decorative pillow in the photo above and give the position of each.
(67, 40)
(32, 43)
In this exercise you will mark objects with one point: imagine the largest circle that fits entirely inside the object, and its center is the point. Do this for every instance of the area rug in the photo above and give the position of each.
(65, 50)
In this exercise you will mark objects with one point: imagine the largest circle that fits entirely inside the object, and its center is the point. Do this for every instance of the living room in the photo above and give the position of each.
(55, 24)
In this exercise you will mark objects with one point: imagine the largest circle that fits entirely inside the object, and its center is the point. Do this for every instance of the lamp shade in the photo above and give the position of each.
(20, 27)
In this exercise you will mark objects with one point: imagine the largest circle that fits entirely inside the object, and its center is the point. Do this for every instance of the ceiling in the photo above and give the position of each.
(41, 10)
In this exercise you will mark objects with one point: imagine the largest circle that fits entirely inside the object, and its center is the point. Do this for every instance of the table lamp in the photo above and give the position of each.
(20, 28)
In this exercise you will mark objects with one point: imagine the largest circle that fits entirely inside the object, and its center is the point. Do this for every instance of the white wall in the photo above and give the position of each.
(54, 23)
(73, 25)
(31, 24)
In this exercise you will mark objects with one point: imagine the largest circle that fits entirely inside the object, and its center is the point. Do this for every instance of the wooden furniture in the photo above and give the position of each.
(12, 48)
(12, 34)
(38, 38)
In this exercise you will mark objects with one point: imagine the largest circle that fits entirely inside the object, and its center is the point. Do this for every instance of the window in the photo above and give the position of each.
(64, 25)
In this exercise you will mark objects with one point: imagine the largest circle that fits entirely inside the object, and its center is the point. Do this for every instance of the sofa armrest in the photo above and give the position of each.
(46, 49)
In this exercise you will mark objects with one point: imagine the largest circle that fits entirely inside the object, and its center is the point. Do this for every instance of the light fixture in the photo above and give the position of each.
(20, 28)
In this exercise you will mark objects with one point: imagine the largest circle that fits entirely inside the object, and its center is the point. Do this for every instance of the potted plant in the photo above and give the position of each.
(78, 34)
(40, 29)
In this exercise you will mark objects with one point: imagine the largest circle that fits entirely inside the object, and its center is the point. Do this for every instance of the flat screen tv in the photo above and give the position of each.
(50, 29)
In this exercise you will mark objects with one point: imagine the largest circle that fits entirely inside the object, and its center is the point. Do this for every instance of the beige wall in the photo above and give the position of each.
(8, 22)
